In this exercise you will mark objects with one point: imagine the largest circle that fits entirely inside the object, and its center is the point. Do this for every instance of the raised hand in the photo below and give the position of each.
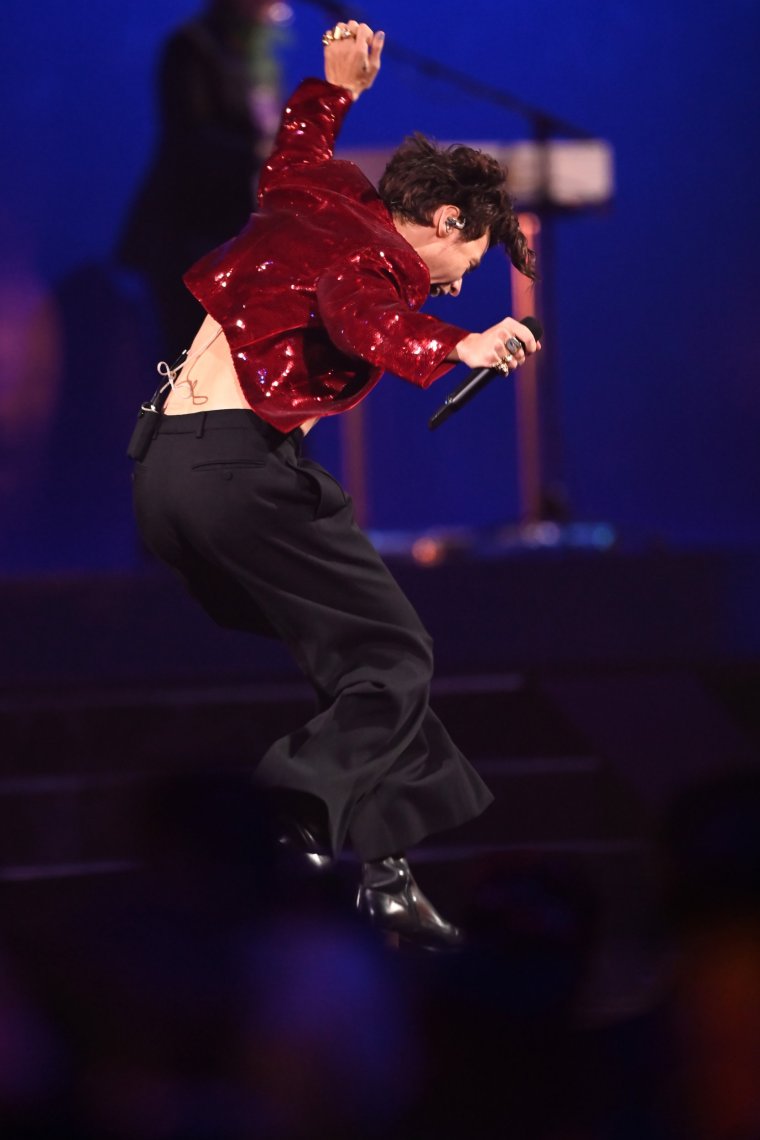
(352, 56)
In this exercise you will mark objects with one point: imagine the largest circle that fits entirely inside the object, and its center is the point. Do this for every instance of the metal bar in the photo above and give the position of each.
(525, 301)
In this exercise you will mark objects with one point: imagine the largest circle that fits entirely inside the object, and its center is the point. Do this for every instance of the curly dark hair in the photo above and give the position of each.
(421, 176)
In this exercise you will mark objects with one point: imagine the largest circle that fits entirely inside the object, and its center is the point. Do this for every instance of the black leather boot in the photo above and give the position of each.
(300, 822)
(391, 899)
(299, 839)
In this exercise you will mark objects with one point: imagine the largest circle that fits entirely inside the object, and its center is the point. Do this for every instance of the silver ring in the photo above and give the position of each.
(513, 344)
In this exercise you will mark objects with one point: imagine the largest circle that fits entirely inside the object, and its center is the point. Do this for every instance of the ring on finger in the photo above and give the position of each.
(513, 345)
(339, 32)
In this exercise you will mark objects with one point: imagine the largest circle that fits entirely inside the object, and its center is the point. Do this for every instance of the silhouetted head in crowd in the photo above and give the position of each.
(711, 849)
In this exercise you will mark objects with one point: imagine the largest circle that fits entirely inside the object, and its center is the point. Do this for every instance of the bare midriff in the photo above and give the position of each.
(208, 382)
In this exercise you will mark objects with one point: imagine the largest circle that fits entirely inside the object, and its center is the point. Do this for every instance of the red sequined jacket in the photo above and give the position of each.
(318, 294)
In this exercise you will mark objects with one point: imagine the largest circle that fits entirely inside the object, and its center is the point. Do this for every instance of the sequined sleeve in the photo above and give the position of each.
(365, 314)
(309, 127)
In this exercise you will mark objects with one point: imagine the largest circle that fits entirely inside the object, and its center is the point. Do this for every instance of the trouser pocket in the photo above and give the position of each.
(330, 496)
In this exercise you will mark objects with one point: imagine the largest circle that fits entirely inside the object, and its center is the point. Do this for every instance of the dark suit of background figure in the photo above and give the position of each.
(219, 103)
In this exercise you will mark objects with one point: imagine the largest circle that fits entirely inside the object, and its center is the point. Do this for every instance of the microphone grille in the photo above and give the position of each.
(534, 325)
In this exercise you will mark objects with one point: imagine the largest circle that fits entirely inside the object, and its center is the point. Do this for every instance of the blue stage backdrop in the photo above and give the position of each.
(654, 326)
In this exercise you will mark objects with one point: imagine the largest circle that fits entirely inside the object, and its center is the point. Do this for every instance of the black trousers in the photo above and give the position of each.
(266, 541)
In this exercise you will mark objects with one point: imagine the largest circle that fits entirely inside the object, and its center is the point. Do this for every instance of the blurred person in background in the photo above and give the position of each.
(31, 351)
(685, 1066)
(219, 107)
(712, 848)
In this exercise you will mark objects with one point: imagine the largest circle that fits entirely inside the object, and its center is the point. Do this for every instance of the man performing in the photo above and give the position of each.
(306, 308)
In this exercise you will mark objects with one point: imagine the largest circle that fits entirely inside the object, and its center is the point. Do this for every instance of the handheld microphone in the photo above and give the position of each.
(477, 379)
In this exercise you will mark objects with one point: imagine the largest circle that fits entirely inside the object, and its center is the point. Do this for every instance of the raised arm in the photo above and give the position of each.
(315, 112)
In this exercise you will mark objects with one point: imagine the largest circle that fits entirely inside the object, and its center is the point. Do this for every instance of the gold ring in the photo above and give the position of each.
(503, 366)
(337, 33)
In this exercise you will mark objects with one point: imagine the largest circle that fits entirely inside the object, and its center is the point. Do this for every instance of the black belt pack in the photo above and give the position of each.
(151, 411)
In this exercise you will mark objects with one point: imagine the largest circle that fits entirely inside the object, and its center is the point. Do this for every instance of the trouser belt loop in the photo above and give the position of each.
(201, 426)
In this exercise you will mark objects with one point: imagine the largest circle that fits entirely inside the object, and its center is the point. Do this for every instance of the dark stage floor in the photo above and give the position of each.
(591, 689)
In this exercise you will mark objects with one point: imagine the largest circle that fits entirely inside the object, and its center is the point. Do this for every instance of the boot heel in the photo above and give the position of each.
(393, 903)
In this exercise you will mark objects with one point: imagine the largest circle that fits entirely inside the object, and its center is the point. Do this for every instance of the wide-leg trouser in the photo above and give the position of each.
(266, 541)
